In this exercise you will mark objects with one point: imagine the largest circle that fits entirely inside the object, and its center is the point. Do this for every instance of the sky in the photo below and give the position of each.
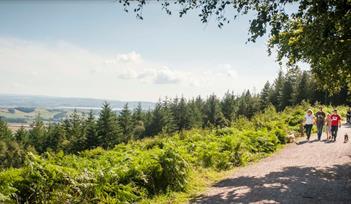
(94, 49)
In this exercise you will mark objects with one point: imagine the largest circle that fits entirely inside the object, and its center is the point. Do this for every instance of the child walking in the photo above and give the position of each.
(328, 127)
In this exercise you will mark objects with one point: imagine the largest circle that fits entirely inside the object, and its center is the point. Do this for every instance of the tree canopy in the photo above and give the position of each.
(310, 31)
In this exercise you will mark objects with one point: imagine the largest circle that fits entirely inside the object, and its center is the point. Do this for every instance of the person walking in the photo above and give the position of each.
(308, 121)
(328, 127)
(335, 124)
(320, 120)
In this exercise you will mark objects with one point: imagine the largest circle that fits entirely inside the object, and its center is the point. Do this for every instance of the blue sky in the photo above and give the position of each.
(94, 49)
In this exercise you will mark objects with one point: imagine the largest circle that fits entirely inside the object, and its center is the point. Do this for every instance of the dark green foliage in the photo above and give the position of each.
(248, 104)
(11, 154)
(75, 130)
(276, 90)
(56, 140)
(213, 116)
(138, 169)
(91, 132)
(303, 88)
(162, 120)
(133, 171)
(22, 135)
(126, 123)
(196, 117)
(78, 132)
(229, 106)
(5, 132)
(265, 95)
(108, 131)
(38, 135)
(182, 114)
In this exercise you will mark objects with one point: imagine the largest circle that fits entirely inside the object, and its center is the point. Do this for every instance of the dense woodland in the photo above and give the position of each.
(78, 133)
(135, 155)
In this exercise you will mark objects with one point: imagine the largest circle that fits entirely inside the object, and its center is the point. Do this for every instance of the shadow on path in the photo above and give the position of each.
(291, 185)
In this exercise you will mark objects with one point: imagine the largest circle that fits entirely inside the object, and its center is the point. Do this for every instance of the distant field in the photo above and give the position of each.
(15, 126)
(18, 116)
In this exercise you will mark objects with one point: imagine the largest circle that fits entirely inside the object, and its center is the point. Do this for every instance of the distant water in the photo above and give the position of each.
(83, 108)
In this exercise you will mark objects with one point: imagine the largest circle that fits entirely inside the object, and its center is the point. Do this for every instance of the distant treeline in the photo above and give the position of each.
(77, 133)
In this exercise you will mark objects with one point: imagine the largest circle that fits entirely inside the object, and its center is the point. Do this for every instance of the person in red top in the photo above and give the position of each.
(335, 124)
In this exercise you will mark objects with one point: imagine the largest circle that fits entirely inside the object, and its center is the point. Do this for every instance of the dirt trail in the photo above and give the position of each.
(315, 172)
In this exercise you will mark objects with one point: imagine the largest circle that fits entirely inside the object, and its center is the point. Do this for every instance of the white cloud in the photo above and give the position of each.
(64, 69)
(129, 58)
(228, 70)
(158, 75)
(167, 76)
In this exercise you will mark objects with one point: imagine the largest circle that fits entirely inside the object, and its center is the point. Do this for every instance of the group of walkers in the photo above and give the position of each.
(332, 122)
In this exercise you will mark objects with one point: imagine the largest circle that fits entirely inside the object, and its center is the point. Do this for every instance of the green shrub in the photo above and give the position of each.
(142, 169)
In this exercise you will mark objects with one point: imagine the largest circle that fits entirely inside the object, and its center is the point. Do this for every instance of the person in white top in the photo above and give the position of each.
(308, 121)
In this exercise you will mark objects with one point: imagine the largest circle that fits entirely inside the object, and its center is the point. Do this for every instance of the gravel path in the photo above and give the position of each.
(315, 172)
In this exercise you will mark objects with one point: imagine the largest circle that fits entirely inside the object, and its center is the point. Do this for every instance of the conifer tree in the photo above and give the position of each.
(22, 135)
(108, 131)
(38, 135)
(229, 106)
(156, 123)
(213, 114)
(287, 91)
(196, 116)
(138, 114)
(5, 132)
(168, 123)
(181, 114)
(302, 89)
(126, 123)
(278, 86)
(76, 132)
(265, 95)
(148, 122)
(91, 134)
(139, 119)
(56, 139)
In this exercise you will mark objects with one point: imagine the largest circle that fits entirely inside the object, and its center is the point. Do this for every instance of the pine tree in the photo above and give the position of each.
(213, 114)
(156, 123)
(302, 89)
(108, 131)
(287, 91)
(38, 135)
(91, 134)
(168, 123)
(148, 122)
(229, 106)
(162, 120)
(248, 104)
(138, 114)
(56, 139)
(5, 132)
(265, 95)
(76, 132)
(196, 116)
(22, 135)
(126, 123)
(181, 114)
(277, 88)
(139, 122)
